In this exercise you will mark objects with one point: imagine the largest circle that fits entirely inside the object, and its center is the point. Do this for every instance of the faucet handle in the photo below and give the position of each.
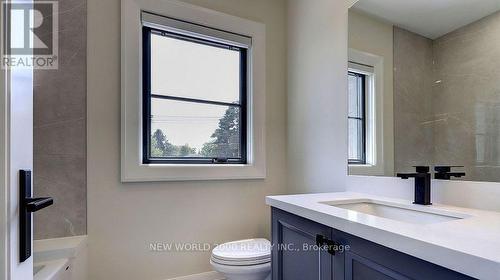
(445, 168)
(444, 172)
(422, 169)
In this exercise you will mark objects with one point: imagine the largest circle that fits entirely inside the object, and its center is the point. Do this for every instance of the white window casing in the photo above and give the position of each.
(373, 67)
(206, 24)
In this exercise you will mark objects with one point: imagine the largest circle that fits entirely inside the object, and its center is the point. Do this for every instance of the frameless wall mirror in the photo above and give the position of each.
(424, 87)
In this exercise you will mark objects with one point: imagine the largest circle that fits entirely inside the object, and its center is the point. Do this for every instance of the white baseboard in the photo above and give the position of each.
(212, 275)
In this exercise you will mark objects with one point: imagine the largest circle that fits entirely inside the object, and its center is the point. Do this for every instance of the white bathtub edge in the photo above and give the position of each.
(58, 248)
(50, 269)
(73, 250)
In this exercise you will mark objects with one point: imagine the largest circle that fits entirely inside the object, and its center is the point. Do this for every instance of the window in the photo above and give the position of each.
(215, 66)
(371, 141)
(194, 96)
(357, 118)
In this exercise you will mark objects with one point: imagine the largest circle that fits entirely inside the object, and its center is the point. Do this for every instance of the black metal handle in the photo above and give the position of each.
(27, 205)
(321, 240)
(35, 204)
(324, 242)
(444, 172)
(445, 168)
(422, 169)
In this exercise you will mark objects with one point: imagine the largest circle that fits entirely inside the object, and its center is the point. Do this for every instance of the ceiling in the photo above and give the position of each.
(429, 18)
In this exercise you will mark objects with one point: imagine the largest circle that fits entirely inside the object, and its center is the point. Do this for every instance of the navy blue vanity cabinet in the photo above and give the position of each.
(364, 260)
(293, 253)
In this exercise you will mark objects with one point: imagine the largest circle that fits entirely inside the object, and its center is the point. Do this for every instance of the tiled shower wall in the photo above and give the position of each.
(467, 99)
(413, 143)
(60, 130)
(460, 84)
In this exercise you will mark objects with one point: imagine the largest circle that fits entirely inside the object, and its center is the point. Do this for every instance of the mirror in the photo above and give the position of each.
(424, 87)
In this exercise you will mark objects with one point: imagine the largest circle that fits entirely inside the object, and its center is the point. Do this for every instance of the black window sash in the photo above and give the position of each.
(148, 95)
(361, 138)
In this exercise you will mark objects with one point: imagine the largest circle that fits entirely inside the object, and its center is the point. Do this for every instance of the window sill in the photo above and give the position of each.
(191, 172)
(361, 165)
(366, 169)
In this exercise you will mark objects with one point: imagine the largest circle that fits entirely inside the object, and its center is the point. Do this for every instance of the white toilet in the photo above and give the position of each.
(243, 260)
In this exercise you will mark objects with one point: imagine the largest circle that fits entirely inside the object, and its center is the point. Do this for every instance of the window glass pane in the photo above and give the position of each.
(356, 140)
(186, 129)
(355, 95)
(194, 70)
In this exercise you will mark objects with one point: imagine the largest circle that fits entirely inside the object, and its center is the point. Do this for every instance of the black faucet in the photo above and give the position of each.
(444, 172)
(422, 184)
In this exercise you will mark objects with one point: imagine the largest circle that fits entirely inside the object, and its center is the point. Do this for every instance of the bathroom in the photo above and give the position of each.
(364, 132)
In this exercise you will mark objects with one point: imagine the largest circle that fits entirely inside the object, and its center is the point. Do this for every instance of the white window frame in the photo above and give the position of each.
(368, 72)
(132, 168)
(373, 67)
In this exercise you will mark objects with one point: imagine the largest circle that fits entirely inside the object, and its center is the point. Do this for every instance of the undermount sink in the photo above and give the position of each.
(399, 212)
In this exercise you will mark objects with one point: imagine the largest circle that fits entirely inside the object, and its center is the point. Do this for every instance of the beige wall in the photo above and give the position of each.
(124, 218)
(317, 96)
(376, 37)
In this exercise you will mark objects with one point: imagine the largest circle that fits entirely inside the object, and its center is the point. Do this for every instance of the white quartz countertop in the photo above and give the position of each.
(470, 245)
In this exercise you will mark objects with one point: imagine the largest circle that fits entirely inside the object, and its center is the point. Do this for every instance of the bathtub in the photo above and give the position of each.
(60, 258)
(53, 270)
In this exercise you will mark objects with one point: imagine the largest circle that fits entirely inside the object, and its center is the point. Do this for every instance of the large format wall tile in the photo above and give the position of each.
(468, 96)
(412, 100)
(61, 177)
(60, 130)
(447, 99)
